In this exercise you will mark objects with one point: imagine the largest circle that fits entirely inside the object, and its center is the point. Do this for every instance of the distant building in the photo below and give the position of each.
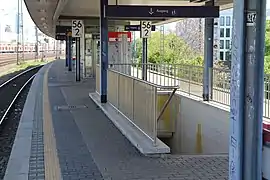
(225, 34)
(192, 31)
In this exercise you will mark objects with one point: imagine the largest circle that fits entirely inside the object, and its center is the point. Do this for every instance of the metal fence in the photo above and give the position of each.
(137, 100)
(190, 80)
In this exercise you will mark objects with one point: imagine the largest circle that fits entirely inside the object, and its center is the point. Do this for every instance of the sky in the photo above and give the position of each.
(8, 10)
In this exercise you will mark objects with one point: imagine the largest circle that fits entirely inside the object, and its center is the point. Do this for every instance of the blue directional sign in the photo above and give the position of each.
(161, 12)
(137, 28)
(60, 37)
(62, 29)
(61, 32)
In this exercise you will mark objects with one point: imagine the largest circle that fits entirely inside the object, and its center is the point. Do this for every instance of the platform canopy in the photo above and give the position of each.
(48, 13)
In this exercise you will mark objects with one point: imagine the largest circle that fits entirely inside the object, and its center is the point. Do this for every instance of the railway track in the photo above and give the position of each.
(13, 94)
(11, 89)
(6, 59)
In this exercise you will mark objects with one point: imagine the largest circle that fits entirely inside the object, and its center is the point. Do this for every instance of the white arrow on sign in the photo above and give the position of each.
(151, 11)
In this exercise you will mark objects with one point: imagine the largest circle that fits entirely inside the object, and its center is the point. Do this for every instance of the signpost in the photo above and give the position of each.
(77, 28)
(159, 12)
(77, 33)
(146, 29)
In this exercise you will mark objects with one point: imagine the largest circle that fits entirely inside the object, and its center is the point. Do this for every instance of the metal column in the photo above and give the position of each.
(144, 59)
(66, 51)
(208, 56)
(103, 51)
(69, 43)
(78, 59)
(247, 81)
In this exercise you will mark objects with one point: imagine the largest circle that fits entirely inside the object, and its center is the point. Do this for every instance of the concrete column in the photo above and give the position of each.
(103, 51)
(94, 55)
(82, 45)
(88, 54)
(247, 81)
(208, 56)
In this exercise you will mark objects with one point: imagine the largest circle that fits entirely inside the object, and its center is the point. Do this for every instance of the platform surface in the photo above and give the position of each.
(63, 135)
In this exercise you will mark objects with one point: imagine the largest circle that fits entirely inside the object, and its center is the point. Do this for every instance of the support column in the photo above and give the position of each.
(69, 51)
(78, 60)
(94, 59)
(66, 51)
(103, 51)
(247, 81)
(144, 59)
(208, 56)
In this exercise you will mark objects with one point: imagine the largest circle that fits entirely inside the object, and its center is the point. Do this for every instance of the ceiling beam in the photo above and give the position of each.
(59, 8)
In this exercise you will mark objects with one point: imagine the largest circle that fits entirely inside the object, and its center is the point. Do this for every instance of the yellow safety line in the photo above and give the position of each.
(51, 161)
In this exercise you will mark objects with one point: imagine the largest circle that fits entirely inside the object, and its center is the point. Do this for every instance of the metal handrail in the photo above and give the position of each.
(166, 104)
(146, 82)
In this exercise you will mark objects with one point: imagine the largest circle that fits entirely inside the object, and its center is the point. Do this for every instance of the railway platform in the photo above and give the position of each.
(63, 135)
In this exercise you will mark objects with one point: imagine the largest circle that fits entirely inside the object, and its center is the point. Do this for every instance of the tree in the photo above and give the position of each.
(175, 49)
(267, 38)
(192, 32)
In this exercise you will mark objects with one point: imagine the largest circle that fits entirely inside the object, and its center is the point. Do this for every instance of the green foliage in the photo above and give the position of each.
(267, 39)
(267, 48)
(176, 51)
(267, 64)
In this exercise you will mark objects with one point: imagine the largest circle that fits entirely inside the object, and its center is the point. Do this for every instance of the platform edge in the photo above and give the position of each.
(18, 163)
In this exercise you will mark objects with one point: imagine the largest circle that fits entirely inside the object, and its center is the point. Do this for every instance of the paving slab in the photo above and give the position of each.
(88, 145)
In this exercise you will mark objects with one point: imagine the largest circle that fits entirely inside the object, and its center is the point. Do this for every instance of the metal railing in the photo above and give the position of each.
(137, 100)
(191, 80)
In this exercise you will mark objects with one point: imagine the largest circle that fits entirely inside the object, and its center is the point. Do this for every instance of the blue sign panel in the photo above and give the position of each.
(62, 29)
(61, 32)
(60, 37)
(137, 28)
(161, 12)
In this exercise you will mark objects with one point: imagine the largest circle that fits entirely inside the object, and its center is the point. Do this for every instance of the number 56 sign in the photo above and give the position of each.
(77, 28)
(146, 27)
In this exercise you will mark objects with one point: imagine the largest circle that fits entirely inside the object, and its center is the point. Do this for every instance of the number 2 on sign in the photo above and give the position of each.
(146, 33)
